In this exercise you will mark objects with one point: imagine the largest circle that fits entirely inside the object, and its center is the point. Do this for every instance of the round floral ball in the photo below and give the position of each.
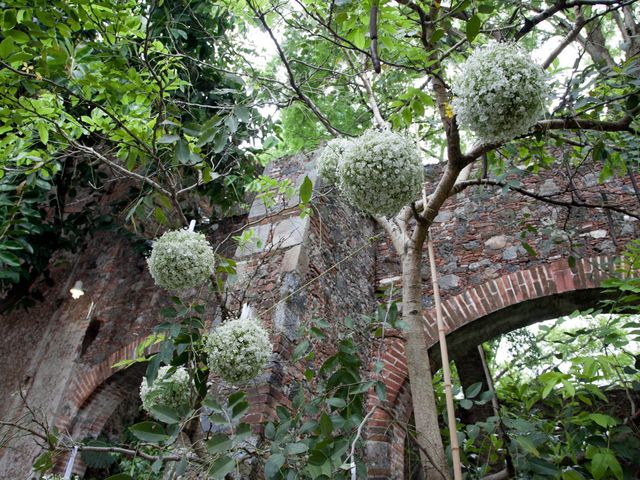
(167, 390)
(238, 350)
(380, 172)
(330, 158)
(180, 260)
(500, 92)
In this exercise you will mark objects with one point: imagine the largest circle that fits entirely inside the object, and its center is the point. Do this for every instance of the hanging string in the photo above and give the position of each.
(72, 460)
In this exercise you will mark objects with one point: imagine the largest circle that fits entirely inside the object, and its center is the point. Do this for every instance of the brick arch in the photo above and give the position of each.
(87, 382)
(96, 413)
(579, 283)
(545, 280)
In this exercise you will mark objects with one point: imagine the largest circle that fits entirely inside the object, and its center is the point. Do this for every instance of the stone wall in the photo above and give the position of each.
(298, 267)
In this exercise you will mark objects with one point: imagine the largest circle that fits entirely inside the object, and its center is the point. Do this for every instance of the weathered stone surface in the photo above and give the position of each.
(448, 282)
(510, 253)
(599, 234)
(443, 217)
(548, 188)
(496, 242)
(481, 264)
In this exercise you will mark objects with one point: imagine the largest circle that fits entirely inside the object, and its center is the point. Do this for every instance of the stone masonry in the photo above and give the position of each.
(329, 264)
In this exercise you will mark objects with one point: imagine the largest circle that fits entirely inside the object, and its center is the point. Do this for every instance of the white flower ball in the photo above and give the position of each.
(238, 350)
(181, 260)
(500, 92)
(330, 158)
(167, 390)
(380, 172)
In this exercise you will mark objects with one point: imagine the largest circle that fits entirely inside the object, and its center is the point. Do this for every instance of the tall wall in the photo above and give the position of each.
(297, 267)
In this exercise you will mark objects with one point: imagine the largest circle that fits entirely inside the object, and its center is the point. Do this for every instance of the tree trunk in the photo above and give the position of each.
(424, 405)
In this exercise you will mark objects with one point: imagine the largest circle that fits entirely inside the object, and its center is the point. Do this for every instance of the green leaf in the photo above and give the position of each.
(166, 414)
(219, 140)
(603, 420)
(437, 35)
(473, 28)
(221, 467)
(120, 476)
(466, 403)
(485, 8)
(270, 431)
(243, 113)
(219, 442)
(273, 465)
(9, 259)
(300, 350)
(232, 123)
(212, 403)
(326, 426)
(149, 432)
(473, 390)
(529, 249)
(168, 139)
(296, 448)
(337, 402)
(43, 463)
(527, 445)
(182, 152)
(543, 467)
(599, 465)
(571, 475)
(306, 190)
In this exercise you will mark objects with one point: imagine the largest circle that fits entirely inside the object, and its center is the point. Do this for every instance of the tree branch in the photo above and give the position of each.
(292, 79)
(543, 198)
(530, 23)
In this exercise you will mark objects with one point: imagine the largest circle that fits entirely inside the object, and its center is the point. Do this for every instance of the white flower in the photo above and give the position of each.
(380, 172)
(238, 350)
(167, 390)
(500, 92)
(181, 260)
(330, 157)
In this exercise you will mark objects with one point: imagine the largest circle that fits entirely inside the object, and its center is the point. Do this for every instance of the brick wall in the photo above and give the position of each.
(328, 265)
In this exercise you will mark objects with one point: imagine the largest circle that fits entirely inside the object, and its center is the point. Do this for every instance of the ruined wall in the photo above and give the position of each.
(329, 265)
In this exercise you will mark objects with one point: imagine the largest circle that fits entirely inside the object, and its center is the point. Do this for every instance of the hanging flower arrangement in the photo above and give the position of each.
(500, 92)
(380, 172)
(168, 390)
(330, 158)
(238, 350)
(180, 260)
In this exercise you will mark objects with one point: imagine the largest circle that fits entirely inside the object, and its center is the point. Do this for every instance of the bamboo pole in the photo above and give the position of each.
(446, 371)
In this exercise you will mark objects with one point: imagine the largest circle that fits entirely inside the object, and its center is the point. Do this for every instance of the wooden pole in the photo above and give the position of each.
(446, 371)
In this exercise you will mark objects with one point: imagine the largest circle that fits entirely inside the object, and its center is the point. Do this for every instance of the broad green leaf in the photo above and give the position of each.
(219, 442)
(603, 420)
(336, 402)
(221, 467)
(326, 425)
(273, 465)
(296, 448)
(306, 190)
(473, 390)
(527, 445)
(182, 152)
(149, 432)
(473, 28)
(166, 414)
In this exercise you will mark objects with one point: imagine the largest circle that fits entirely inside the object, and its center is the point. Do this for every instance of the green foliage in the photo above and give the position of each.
(565, 408)
(89, 89)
